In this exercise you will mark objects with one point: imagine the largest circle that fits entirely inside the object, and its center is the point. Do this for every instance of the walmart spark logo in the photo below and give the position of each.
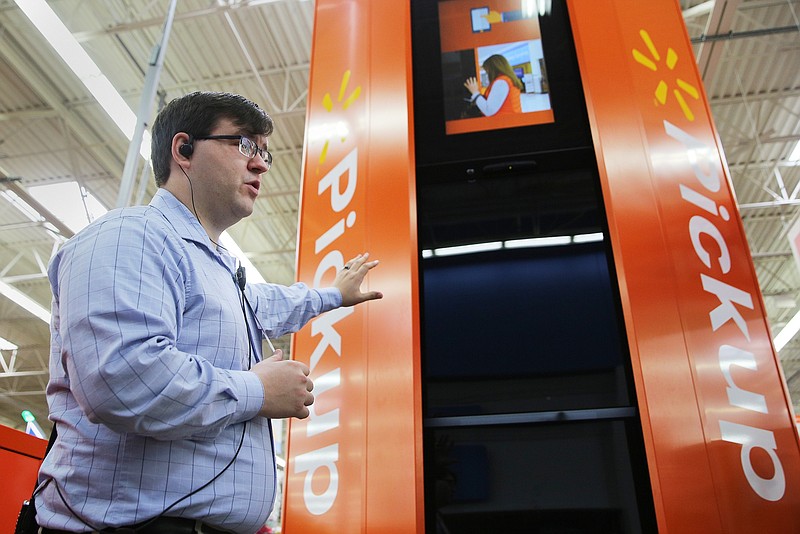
(663, 88)
(338, 129)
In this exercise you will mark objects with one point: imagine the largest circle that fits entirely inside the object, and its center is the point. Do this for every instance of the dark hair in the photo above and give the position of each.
(197, 114)
(496, 65)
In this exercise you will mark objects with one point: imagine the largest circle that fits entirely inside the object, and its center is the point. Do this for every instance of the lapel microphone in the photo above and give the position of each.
(241, 278)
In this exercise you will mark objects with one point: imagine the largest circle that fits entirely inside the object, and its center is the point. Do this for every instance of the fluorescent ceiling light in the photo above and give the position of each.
(794, 157)
(71, 203)
(538, 242)
(252, 274)
(25, 301)
(468, 249)
(528, 8)
(63, 42)
(7, 345)
(788, 332)
(587, 238)
(532, 242)
(545, 7)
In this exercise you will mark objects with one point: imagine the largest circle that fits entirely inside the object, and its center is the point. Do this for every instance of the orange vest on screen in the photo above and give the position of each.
(512, 103)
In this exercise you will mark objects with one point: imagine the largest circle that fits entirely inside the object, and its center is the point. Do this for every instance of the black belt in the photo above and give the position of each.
(162, 525)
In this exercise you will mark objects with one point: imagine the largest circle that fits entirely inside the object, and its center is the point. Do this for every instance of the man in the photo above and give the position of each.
(158, 390)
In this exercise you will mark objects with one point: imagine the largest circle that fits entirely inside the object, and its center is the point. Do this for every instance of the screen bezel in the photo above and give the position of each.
(466, 45)
(554, 143)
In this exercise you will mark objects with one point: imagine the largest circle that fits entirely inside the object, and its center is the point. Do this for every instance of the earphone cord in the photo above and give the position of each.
(244, 428)
(168, 508)
(230, 463)
(194, 209)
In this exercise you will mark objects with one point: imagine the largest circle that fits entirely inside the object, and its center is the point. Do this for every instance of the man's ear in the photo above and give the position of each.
(182, 147)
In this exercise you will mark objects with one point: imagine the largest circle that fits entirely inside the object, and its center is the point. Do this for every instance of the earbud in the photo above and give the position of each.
(186, 150)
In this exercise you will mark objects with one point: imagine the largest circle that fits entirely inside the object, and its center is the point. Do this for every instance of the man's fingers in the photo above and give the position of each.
(371, 264)
(373, 295)
(356, 263)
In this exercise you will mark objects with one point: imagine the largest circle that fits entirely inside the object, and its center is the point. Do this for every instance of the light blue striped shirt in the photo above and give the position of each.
(148, 383)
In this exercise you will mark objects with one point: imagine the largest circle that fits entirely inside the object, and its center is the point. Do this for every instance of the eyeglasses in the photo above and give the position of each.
(247, 147)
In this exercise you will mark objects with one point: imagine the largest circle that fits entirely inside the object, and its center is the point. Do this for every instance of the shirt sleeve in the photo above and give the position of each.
(282, 310)
(120, 294)
(492, 104)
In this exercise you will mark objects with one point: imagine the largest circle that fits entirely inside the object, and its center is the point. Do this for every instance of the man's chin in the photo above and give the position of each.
(246, 208)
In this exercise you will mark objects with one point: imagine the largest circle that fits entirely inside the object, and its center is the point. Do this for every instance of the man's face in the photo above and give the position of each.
(226, 182)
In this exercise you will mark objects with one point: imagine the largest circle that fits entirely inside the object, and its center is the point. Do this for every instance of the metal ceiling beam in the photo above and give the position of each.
(759, 165)
(46, 90)
(755, 97)
(770, 204)
(744, 34)
(765, 139)
(146, 103)
(246, 53)
(709, 54)
(231, 78)
(16, 374)
(141, 24)
(22, 193)
(699, 9)
(29, 115)
(24, 393)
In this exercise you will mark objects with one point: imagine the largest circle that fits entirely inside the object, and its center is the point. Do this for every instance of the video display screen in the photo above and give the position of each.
(493, 66)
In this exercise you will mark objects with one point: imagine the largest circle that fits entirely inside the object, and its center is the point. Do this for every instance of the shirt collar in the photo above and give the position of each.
(186, 224)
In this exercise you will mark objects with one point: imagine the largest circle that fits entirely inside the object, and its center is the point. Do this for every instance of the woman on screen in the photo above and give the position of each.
(502, 95)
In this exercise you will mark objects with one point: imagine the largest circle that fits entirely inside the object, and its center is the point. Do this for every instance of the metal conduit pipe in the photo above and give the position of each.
(744, 34)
